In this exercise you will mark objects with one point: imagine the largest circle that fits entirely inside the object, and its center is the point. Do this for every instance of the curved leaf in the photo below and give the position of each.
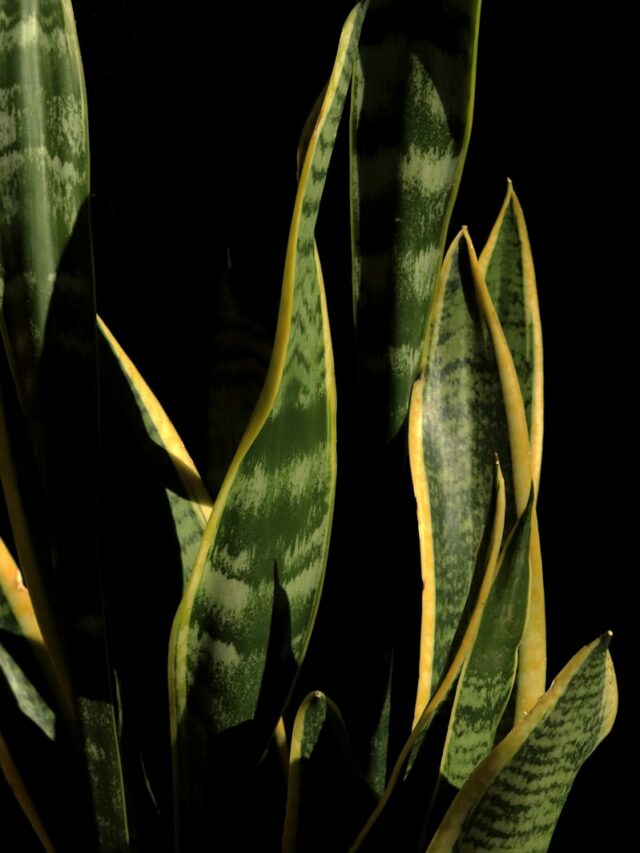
(411, 121)
(527, 777)
(246, 616)
(192, 509)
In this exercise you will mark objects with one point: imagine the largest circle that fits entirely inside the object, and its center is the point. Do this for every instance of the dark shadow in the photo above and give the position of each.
(229, 792)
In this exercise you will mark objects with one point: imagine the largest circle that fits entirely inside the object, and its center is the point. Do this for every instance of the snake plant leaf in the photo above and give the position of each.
(457, 425)
(190, 503)
(379, 829)
(489, 671)
(411, 120)
(533, 652)
(48, 326)
(507, 265)
(525, 780)
(245, 619)
(321, 751)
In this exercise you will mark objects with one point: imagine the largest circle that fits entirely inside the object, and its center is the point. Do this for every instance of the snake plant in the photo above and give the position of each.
(176, 671)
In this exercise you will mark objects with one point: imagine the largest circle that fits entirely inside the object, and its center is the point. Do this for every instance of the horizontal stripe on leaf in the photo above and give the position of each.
(526, 778)
(246, 616)
(488, 674)
(411, 120)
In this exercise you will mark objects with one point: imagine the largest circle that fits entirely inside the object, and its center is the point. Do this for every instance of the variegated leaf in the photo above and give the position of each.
(246, 616)
(381, 825)
(323, 780)
(458, 424)
(411, 120)
(507, 265)
(513, 799)
(47, 320)
(488, 674)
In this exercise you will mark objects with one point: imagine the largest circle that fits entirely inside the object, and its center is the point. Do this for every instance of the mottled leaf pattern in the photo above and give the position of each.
(411, 120)
(513, 799)
(48, 325)
(507, 265)
(368, 839)
(254, 590)
(457, 426)
(320, 751)
(488, 673)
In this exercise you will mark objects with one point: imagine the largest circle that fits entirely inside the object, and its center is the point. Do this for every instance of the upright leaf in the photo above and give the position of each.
(246, 616)
(458, 424)
(489, 671)
(526, 779)
(375, 833)
(411, 120)
(507, 265)
(47, 321)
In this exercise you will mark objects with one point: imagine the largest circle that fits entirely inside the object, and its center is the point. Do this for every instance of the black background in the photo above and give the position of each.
(194, 124)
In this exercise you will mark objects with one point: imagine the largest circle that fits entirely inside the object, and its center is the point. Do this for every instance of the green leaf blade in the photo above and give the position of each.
(457, 427)
(246, 617)
(527, 777)
(411, 121)
(507, 264)
(489, 672)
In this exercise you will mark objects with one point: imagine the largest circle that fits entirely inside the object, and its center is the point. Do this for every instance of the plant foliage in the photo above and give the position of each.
(159, 629)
